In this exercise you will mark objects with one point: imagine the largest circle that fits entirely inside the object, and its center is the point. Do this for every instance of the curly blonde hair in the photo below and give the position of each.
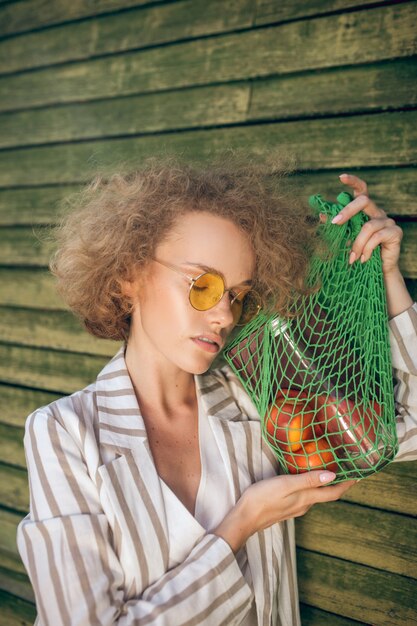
(115, 223)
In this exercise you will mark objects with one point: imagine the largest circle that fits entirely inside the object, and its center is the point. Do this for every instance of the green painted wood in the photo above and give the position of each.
(310, 616)
(130, 30)
(385, 86)
(386, 139)
(394, 190)
(20, 246)
(379, 539)
(29, 288)
(15, 611)
(25, 246)
(381, 86)
(9, 555)
(387, 33)
(392, 489)
(18, 18)
(59, 372)
(17, 403)
(59, 330)
(32, 205)
(17, 584)
(355, 591)
(268, 11)
(14, 491)
(11, 450)
(190, 108)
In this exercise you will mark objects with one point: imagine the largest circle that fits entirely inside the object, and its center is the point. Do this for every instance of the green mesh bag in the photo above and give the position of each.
(322, 381)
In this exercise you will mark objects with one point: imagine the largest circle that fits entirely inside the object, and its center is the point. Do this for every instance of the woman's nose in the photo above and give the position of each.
(222, 311)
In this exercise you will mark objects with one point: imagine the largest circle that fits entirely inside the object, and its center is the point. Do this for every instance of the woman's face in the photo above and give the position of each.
(165, 327)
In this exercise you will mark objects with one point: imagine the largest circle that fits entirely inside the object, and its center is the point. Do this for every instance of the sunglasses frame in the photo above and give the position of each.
(193, 279)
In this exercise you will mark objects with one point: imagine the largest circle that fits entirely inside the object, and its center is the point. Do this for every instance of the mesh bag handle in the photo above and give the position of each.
(322, 381)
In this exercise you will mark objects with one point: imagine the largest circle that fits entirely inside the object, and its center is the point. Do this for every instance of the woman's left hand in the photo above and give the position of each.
(380, 229)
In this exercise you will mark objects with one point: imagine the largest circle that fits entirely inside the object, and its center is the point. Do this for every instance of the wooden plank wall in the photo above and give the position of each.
(86, 84)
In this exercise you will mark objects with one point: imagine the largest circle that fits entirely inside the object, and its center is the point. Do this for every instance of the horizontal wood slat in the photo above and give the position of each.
(20, 246)
(393, 190)
(386, 86)
(279, 10)
(379, 539)
(59, 330)
(16, 583)
(356, 591)
(30, 288)
(393, 489)
(59, 372)
(387, 33)
(9, 555)
(383, 139)
(12, 445)
(16, 611)
(14, 491)
(40, 14)
(310, 616)
(32, 205)
(18, 402)
(130, 30)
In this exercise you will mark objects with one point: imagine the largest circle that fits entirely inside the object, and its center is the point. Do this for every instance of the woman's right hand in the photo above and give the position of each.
(276, 499)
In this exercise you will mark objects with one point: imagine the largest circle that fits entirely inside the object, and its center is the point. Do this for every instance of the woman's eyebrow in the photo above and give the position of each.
(207, 268)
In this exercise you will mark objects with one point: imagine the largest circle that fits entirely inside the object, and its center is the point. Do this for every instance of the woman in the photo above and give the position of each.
(153, 497)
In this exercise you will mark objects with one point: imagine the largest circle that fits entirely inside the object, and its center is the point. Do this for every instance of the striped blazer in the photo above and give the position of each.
(96, 542)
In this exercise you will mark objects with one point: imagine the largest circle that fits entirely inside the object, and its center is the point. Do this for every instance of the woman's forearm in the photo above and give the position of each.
(398, 297)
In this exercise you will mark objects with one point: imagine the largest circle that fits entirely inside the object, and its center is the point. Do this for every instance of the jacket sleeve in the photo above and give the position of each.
(65, 543)
(403, 340)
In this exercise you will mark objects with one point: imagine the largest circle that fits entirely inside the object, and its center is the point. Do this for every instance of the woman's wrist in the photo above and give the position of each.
(236, 527)
(398, 297)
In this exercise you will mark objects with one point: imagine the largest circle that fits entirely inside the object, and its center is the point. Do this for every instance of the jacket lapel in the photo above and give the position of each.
(129, 477)
(240, 444)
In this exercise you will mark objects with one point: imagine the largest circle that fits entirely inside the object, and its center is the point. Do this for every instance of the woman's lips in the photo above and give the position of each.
(205, 345)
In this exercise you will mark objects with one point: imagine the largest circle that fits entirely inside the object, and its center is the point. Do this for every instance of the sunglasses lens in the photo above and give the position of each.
(246, 307)
(206, 291)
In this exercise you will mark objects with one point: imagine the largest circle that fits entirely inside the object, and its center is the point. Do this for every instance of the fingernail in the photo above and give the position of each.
(326, 477)
(352, 258)
(337, 219)
(340, 175)
(363, 258)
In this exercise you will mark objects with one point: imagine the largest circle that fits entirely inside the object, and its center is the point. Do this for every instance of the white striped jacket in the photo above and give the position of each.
(96, 543)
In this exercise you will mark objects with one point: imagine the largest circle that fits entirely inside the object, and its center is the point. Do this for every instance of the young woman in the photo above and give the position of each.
(153, 497)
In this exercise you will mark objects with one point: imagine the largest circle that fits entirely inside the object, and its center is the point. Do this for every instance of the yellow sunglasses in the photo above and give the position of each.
(208, 288)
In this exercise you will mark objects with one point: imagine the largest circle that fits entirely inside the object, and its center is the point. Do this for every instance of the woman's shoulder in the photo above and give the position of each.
(74, 414)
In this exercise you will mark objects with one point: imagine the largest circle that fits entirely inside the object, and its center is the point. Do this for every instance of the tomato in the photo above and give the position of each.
(288, 421)
(312, 455)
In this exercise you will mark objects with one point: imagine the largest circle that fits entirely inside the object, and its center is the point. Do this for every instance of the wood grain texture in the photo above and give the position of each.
(18, 402)
(59, 372)
(347, 39)
(135, 29)
(382, 140)
(394, 190)
(379, 539)
(12, 445)
(380, 87)
(355, 591)
(311, 616)
(18, 18)
(15, 611)
(280, 10)
(33, 288)
(59, 330)
(14, 491)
